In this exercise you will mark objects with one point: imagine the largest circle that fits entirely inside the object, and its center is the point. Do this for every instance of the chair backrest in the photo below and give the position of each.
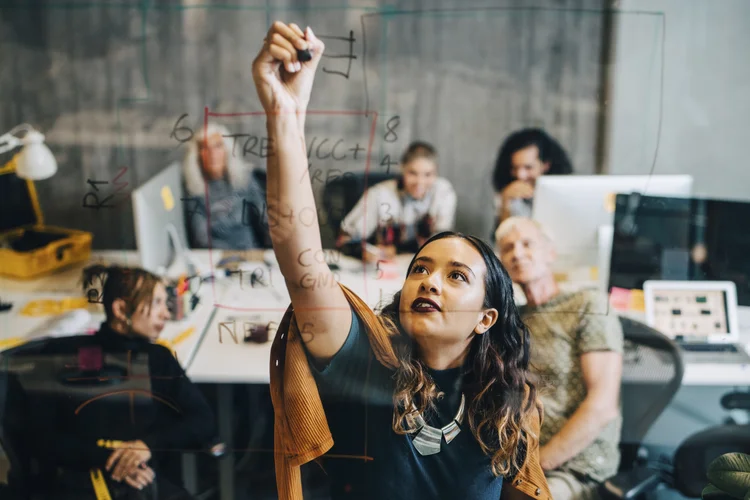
(652, 374)
(14, 418)
(695, 454)
(342, 193)
(259, 174)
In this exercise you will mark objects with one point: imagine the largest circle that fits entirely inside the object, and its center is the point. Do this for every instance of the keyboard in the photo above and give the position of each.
(714, 353)
(709, 347)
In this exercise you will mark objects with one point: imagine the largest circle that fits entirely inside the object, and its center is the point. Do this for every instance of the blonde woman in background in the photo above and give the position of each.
(214, 172)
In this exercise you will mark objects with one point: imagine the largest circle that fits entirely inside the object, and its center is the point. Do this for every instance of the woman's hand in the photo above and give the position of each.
(518, 189)
(141, 477)
(342, 240)
(283, 82)
(127, 458)
(385, 252)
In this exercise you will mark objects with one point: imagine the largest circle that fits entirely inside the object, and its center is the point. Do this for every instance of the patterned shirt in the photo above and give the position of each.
(563, 329)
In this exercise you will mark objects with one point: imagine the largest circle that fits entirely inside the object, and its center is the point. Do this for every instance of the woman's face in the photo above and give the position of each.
(419, 175)
(526, 166)
(213, 157)
(443, 296)
(150, 322)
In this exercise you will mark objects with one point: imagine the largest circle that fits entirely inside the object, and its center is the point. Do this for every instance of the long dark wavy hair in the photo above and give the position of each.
(549, 151)
(497, 383)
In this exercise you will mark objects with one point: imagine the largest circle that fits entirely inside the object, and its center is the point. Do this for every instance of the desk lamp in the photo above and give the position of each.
(35, 161)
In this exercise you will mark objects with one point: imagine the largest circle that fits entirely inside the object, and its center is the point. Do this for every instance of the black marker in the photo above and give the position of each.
(304, 55)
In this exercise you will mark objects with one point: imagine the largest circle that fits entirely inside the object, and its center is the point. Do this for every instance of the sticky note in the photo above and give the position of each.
(619, 298)
(637, 301)
(167, 198)
(610, 202)
(593, 273)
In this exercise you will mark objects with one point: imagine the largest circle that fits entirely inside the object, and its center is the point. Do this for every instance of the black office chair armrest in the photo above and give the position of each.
(629, 485)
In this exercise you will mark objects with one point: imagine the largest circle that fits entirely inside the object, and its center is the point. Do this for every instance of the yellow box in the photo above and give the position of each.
(28, 248)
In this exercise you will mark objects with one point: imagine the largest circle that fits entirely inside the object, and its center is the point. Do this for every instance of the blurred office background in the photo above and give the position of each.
(650, 87)
(627, 87)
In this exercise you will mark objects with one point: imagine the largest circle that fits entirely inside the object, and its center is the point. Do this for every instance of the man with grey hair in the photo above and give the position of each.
(577, 352)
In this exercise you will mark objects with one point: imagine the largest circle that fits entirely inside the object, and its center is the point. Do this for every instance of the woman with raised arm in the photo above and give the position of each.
(429, 399)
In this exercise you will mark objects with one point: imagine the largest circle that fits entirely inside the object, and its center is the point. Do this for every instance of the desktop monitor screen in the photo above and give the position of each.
(159, 218)
(659, 238)
(572, 208)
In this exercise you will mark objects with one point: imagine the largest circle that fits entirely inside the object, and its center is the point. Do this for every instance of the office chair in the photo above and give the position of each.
(41, 372)
(260, 175)
(342, 193)
(695, 454)
(652, 374)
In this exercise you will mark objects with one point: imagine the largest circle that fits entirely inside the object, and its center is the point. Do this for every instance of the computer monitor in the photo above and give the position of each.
(573, 208)
(159, 219)
(662, 238)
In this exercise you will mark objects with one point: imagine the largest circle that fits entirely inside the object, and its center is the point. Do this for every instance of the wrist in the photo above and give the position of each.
(284, 122)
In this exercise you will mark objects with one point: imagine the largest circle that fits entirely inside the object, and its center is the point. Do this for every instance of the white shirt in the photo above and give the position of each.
(384, 204)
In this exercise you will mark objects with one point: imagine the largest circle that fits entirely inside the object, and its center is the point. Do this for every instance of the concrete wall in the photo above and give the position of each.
(679, 100)
(107, 84)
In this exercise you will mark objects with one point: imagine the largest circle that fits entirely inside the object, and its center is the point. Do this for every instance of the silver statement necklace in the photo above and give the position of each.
(428, 439)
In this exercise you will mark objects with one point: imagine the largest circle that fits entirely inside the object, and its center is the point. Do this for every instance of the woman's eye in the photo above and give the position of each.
(417, 268)
(458, 275)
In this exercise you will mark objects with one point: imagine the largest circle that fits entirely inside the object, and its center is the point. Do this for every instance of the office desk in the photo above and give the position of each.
(224, 358)
(709, 374)
(67, 283)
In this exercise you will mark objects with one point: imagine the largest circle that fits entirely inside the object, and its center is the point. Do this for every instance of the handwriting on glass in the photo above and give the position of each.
(349, 56)
(390, 136)
(91, 199)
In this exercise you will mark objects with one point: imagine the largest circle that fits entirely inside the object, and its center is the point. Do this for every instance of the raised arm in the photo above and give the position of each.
(284, 85)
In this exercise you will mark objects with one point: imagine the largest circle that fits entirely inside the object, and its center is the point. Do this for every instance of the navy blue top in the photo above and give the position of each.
(357, 395)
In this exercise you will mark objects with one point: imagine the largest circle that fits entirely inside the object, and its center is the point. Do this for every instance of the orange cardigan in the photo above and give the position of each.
(301, 431)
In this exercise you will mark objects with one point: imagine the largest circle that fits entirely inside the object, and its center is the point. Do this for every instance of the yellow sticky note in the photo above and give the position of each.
(637, 301)
(610, 202)
(167, 198)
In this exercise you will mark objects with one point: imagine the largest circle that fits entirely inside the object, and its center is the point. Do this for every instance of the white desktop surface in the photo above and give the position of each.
(67, 283)
(227, 361)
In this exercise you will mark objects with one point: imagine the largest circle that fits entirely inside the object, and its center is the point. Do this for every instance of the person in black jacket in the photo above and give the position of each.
(126, 407)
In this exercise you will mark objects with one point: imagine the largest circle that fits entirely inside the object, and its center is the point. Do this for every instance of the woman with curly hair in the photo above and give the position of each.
(430, 399)
(525, 156)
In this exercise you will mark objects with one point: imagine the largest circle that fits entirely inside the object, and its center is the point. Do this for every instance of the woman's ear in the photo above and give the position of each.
(489, 317)
(545, 166)
(120, 310)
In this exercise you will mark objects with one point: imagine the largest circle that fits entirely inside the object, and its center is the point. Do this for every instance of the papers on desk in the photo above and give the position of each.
(75, 322)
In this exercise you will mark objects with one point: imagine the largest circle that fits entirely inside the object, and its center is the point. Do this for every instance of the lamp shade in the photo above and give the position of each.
(35, 162)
